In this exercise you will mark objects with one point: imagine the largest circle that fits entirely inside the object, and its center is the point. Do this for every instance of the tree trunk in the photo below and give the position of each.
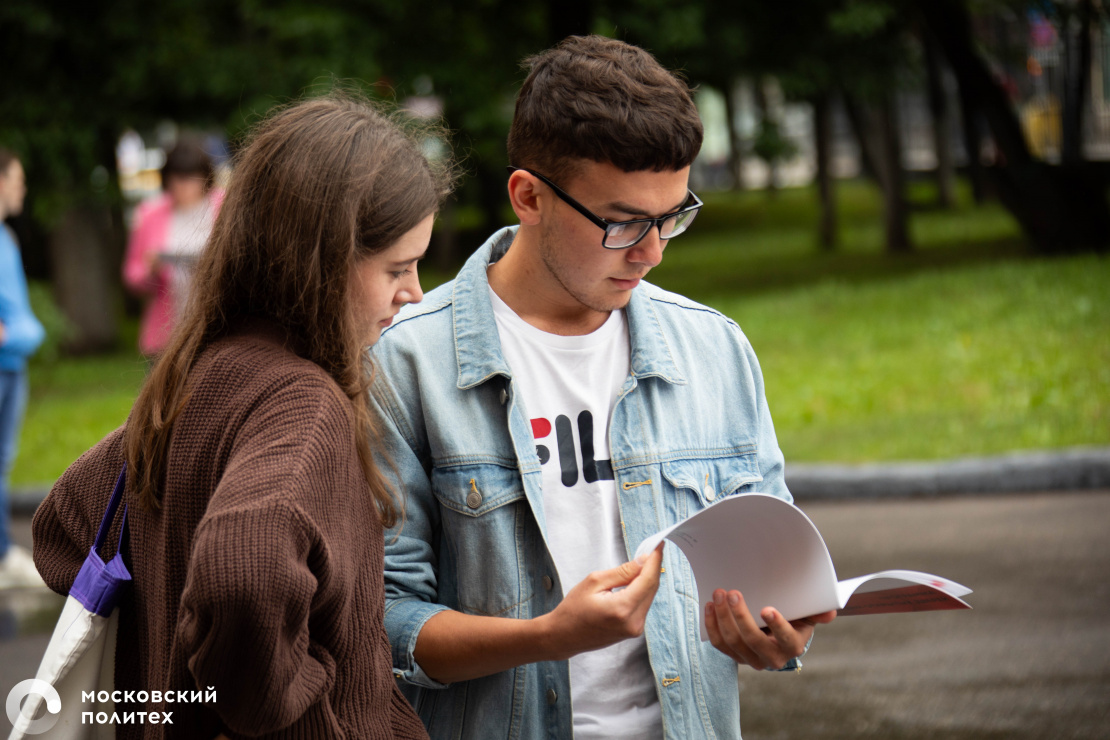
(1077, 65)
(942, 122)
(765, 115)
(86, 282)
(880, 143)
(869, 138)
(1061, 208)
(895, 213)
(735, 143)
(822, 130)
(972, 125)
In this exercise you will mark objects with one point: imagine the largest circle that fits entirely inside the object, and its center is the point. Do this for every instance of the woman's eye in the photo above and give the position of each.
(401, 274)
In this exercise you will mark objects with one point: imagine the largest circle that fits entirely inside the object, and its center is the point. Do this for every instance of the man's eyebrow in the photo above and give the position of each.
(636, 211)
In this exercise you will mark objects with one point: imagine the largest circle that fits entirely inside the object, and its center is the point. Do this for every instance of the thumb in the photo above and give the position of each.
(646, 583)
(622, 575)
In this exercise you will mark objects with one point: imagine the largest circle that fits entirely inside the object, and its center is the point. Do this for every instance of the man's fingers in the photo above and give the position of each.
(648, 577)
(632, 574)
(730, 613)
(789, 641)
(622, 575)
(647, 581)
(822, 618)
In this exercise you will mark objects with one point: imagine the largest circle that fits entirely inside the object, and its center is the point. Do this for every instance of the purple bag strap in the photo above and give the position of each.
(99, 584)
(110, 513)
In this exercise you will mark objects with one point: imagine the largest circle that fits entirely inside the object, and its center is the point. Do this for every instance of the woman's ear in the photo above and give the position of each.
(523, 195)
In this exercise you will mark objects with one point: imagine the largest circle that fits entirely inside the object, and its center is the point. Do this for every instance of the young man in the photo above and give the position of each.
(20, 335)
(547, 411)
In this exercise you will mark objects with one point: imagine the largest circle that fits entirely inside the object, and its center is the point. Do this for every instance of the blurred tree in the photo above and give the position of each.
(472, 55)
(942, 121)
(1061, 207)
(815, 48)
(864, 49)
(78, 74)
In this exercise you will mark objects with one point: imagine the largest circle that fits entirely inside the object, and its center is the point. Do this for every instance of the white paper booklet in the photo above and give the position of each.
(770, 551)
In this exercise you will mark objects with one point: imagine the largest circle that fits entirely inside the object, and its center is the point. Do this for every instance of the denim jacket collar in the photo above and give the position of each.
(480, 359)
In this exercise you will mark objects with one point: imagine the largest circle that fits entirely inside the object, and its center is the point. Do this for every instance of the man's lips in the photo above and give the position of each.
(626, 283)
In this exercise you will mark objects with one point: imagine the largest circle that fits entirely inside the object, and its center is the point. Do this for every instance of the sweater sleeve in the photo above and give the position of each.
(244, 619)
(64, 526)
(256, 564)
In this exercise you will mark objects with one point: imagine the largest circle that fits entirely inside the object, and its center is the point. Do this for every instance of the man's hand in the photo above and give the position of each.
(733, 631)
(593, 615)
(453, 646)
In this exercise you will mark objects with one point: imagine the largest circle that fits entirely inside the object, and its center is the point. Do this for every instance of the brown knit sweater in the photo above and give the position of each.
(261, 574)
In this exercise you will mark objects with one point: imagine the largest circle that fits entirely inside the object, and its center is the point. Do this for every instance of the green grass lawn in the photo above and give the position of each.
(970, 345)
(74, 402)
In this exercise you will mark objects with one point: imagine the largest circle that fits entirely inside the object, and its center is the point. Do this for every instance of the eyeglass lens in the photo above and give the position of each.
(628, 233)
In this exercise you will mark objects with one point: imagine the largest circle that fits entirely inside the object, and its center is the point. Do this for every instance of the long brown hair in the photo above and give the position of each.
(318, 184)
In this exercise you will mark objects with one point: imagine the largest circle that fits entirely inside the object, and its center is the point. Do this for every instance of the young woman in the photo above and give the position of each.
(166, 240)
(256, 510)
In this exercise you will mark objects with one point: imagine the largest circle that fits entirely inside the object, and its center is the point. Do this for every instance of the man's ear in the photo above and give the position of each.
(523, 195)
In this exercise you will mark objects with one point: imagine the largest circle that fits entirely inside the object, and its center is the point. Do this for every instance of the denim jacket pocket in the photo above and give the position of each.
(691, 484)
(708, 480)
(485, 511)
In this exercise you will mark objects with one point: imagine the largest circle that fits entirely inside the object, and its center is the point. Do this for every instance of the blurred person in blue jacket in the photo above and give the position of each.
(20, 335)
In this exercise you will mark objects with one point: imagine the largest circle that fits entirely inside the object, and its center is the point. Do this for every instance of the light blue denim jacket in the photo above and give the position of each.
(690, 425)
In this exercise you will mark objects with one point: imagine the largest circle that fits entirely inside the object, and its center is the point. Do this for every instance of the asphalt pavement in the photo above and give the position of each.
(1030, 660)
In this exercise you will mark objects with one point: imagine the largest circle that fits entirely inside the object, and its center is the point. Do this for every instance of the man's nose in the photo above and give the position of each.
(649, 250)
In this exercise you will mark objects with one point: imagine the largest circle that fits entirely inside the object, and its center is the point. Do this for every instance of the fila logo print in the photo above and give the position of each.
(592, 470)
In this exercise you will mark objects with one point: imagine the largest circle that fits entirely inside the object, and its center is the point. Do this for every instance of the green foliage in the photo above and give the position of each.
(770, 145)
(74, 403)
(58, 328)
(861, 19)
(80, 74)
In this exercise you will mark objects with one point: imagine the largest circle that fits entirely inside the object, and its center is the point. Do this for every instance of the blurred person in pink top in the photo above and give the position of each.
(168, 234)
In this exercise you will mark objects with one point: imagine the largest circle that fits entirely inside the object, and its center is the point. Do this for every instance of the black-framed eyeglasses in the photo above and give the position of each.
(625, 234)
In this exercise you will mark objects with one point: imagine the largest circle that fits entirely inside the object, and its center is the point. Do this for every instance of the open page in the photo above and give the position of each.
(892, 591)
(770, 551)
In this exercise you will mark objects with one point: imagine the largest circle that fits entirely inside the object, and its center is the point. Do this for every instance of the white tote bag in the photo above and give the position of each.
(81, 655)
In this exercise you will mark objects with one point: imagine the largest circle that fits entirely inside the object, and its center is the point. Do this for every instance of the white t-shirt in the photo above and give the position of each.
(188, 233)
(569, 385)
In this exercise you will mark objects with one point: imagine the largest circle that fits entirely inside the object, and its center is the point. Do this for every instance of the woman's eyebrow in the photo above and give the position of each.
(401, 263)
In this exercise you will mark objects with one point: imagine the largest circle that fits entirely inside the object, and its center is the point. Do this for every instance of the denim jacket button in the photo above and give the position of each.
(552, 697)
(504, 396)
(710, 494)
(548, 584)
(474, 499)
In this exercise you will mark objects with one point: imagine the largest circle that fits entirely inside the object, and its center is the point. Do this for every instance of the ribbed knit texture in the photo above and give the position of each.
(261, 575)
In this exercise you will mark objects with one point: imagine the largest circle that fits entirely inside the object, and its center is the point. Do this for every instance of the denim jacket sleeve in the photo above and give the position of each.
(410, 558)
(771, 463)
